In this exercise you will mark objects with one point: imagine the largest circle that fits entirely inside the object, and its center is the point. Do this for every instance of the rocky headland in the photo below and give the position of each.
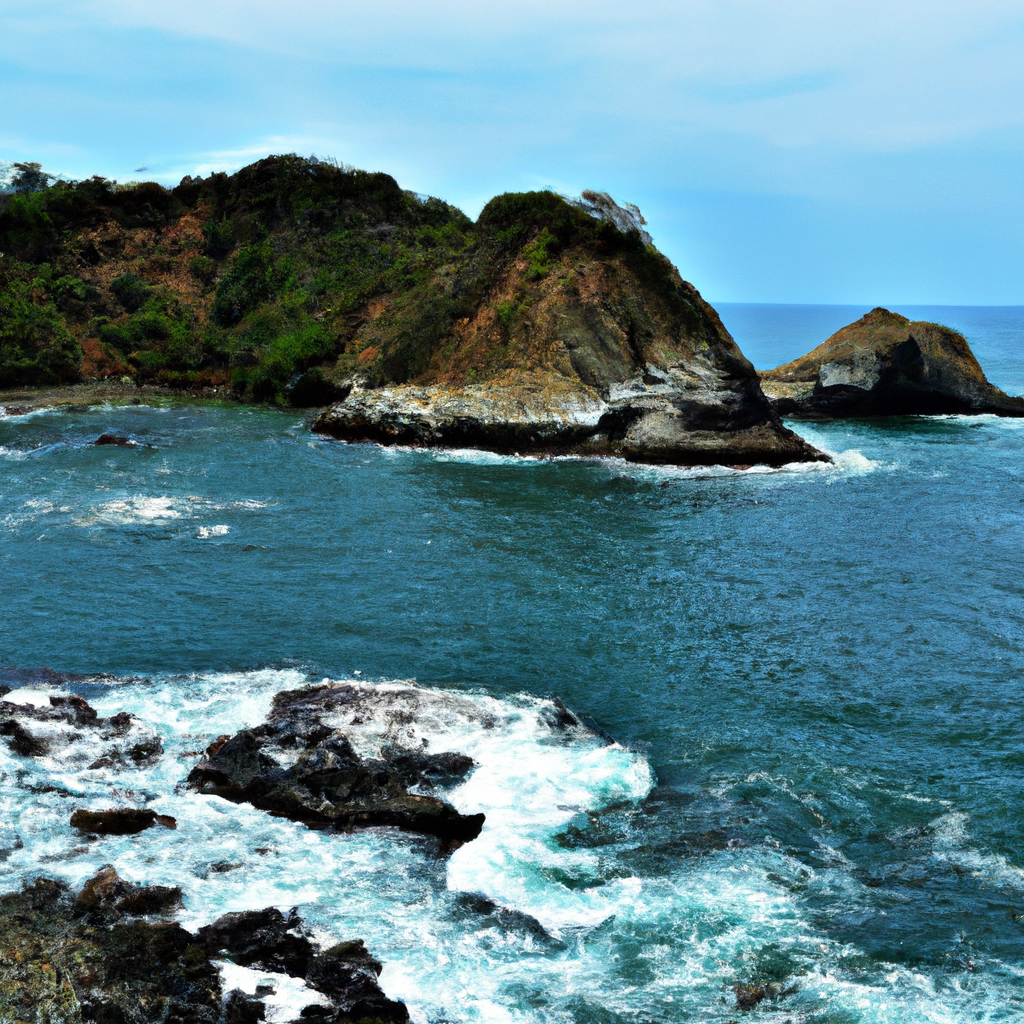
(545, 326)
(886, 365)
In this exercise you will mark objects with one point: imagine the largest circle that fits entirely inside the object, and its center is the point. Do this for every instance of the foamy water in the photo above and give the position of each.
(693, 928)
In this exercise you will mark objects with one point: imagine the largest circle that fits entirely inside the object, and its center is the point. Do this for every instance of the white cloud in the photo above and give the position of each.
(866, 74)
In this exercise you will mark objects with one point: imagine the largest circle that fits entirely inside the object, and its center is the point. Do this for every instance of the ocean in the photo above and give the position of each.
(805, 744)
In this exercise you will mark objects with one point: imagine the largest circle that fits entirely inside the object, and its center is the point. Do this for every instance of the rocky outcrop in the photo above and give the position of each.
(300, 766)
(662, 415)
(886, 365)
(564, 332)
(112, 953)
(119, 821)
(68, 729)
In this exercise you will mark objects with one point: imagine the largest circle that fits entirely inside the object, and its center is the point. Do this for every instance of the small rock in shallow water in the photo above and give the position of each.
(242, 1009)
(121, 821)
(65, 727)
(117, 439)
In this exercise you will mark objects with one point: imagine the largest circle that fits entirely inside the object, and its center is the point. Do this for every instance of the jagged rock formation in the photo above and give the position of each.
(584, 341)
(68, 729)
(112, 953)
(301, 767)
(887, 365)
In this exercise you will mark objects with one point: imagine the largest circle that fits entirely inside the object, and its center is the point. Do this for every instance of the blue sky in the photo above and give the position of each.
(782, 151)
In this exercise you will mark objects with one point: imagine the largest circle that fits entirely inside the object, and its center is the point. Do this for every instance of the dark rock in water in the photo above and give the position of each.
(107, 894)
(264, 939)
(323, 782)
(70, 729)
(110, 954)
(117, 439)
(242, 1009)
(419, 769)
(347, 975)
(121, 821)
(887, 365)
(269, 941)
(748, 997)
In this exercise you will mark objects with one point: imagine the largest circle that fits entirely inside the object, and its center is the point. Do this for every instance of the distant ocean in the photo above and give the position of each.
(803, 767)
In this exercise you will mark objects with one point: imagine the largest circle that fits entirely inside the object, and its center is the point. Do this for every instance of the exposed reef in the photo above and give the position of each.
(113, 953)
(886, 365)
(68, 729)
(300, 765)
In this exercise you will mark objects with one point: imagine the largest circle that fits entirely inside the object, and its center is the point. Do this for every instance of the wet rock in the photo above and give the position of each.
(303, 767)
(109, 954)
(685, 419)
(750, 996)
(69, 729)
(267, 940)
(242, 1009)
(121, 821)
(109, 894)
(62, 962)
(116, 439)
(347, 975)
(263, 939)
(886, 365)
(429, 770)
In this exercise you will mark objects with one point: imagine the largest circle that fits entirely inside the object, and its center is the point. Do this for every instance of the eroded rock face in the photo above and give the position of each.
(111, 953)
(604, 353)
(299, 765)
(887, 365)
(661, 416)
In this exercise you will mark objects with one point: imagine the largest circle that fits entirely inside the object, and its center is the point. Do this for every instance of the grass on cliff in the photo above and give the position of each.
(249, 280)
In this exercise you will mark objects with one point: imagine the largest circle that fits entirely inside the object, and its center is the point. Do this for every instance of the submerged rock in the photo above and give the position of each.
(887, 365)
(111, 954)
(115, 439)
(301, 766)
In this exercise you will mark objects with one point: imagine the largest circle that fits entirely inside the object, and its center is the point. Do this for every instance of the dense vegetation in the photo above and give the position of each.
(273, 281)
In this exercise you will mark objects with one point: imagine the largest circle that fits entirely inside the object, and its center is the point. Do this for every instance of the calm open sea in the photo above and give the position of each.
(814, 676)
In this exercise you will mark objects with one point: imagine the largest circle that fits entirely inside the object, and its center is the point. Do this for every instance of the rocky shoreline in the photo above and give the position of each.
(660, 416)
(112, 952)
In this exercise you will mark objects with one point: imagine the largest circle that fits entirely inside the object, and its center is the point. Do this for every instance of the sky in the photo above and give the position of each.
(781, 150)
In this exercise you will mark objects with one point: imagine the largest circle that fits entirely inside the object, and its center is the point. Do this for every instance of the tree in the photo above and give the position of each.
(28, 177)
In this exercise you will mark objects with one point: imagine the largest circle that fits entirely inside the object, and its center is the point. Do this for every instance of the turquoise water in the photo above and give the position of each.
(813, 675)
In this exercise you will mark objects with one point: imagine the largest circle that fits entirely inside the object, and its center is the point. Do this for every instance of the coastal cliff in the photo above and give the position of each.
(545, 326)
(583, 340)
(887, 365)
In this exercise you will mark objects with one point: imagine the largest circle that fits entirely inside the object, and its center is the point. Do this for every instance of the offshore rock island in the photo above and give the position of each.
(887, 365)
(547, 326)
